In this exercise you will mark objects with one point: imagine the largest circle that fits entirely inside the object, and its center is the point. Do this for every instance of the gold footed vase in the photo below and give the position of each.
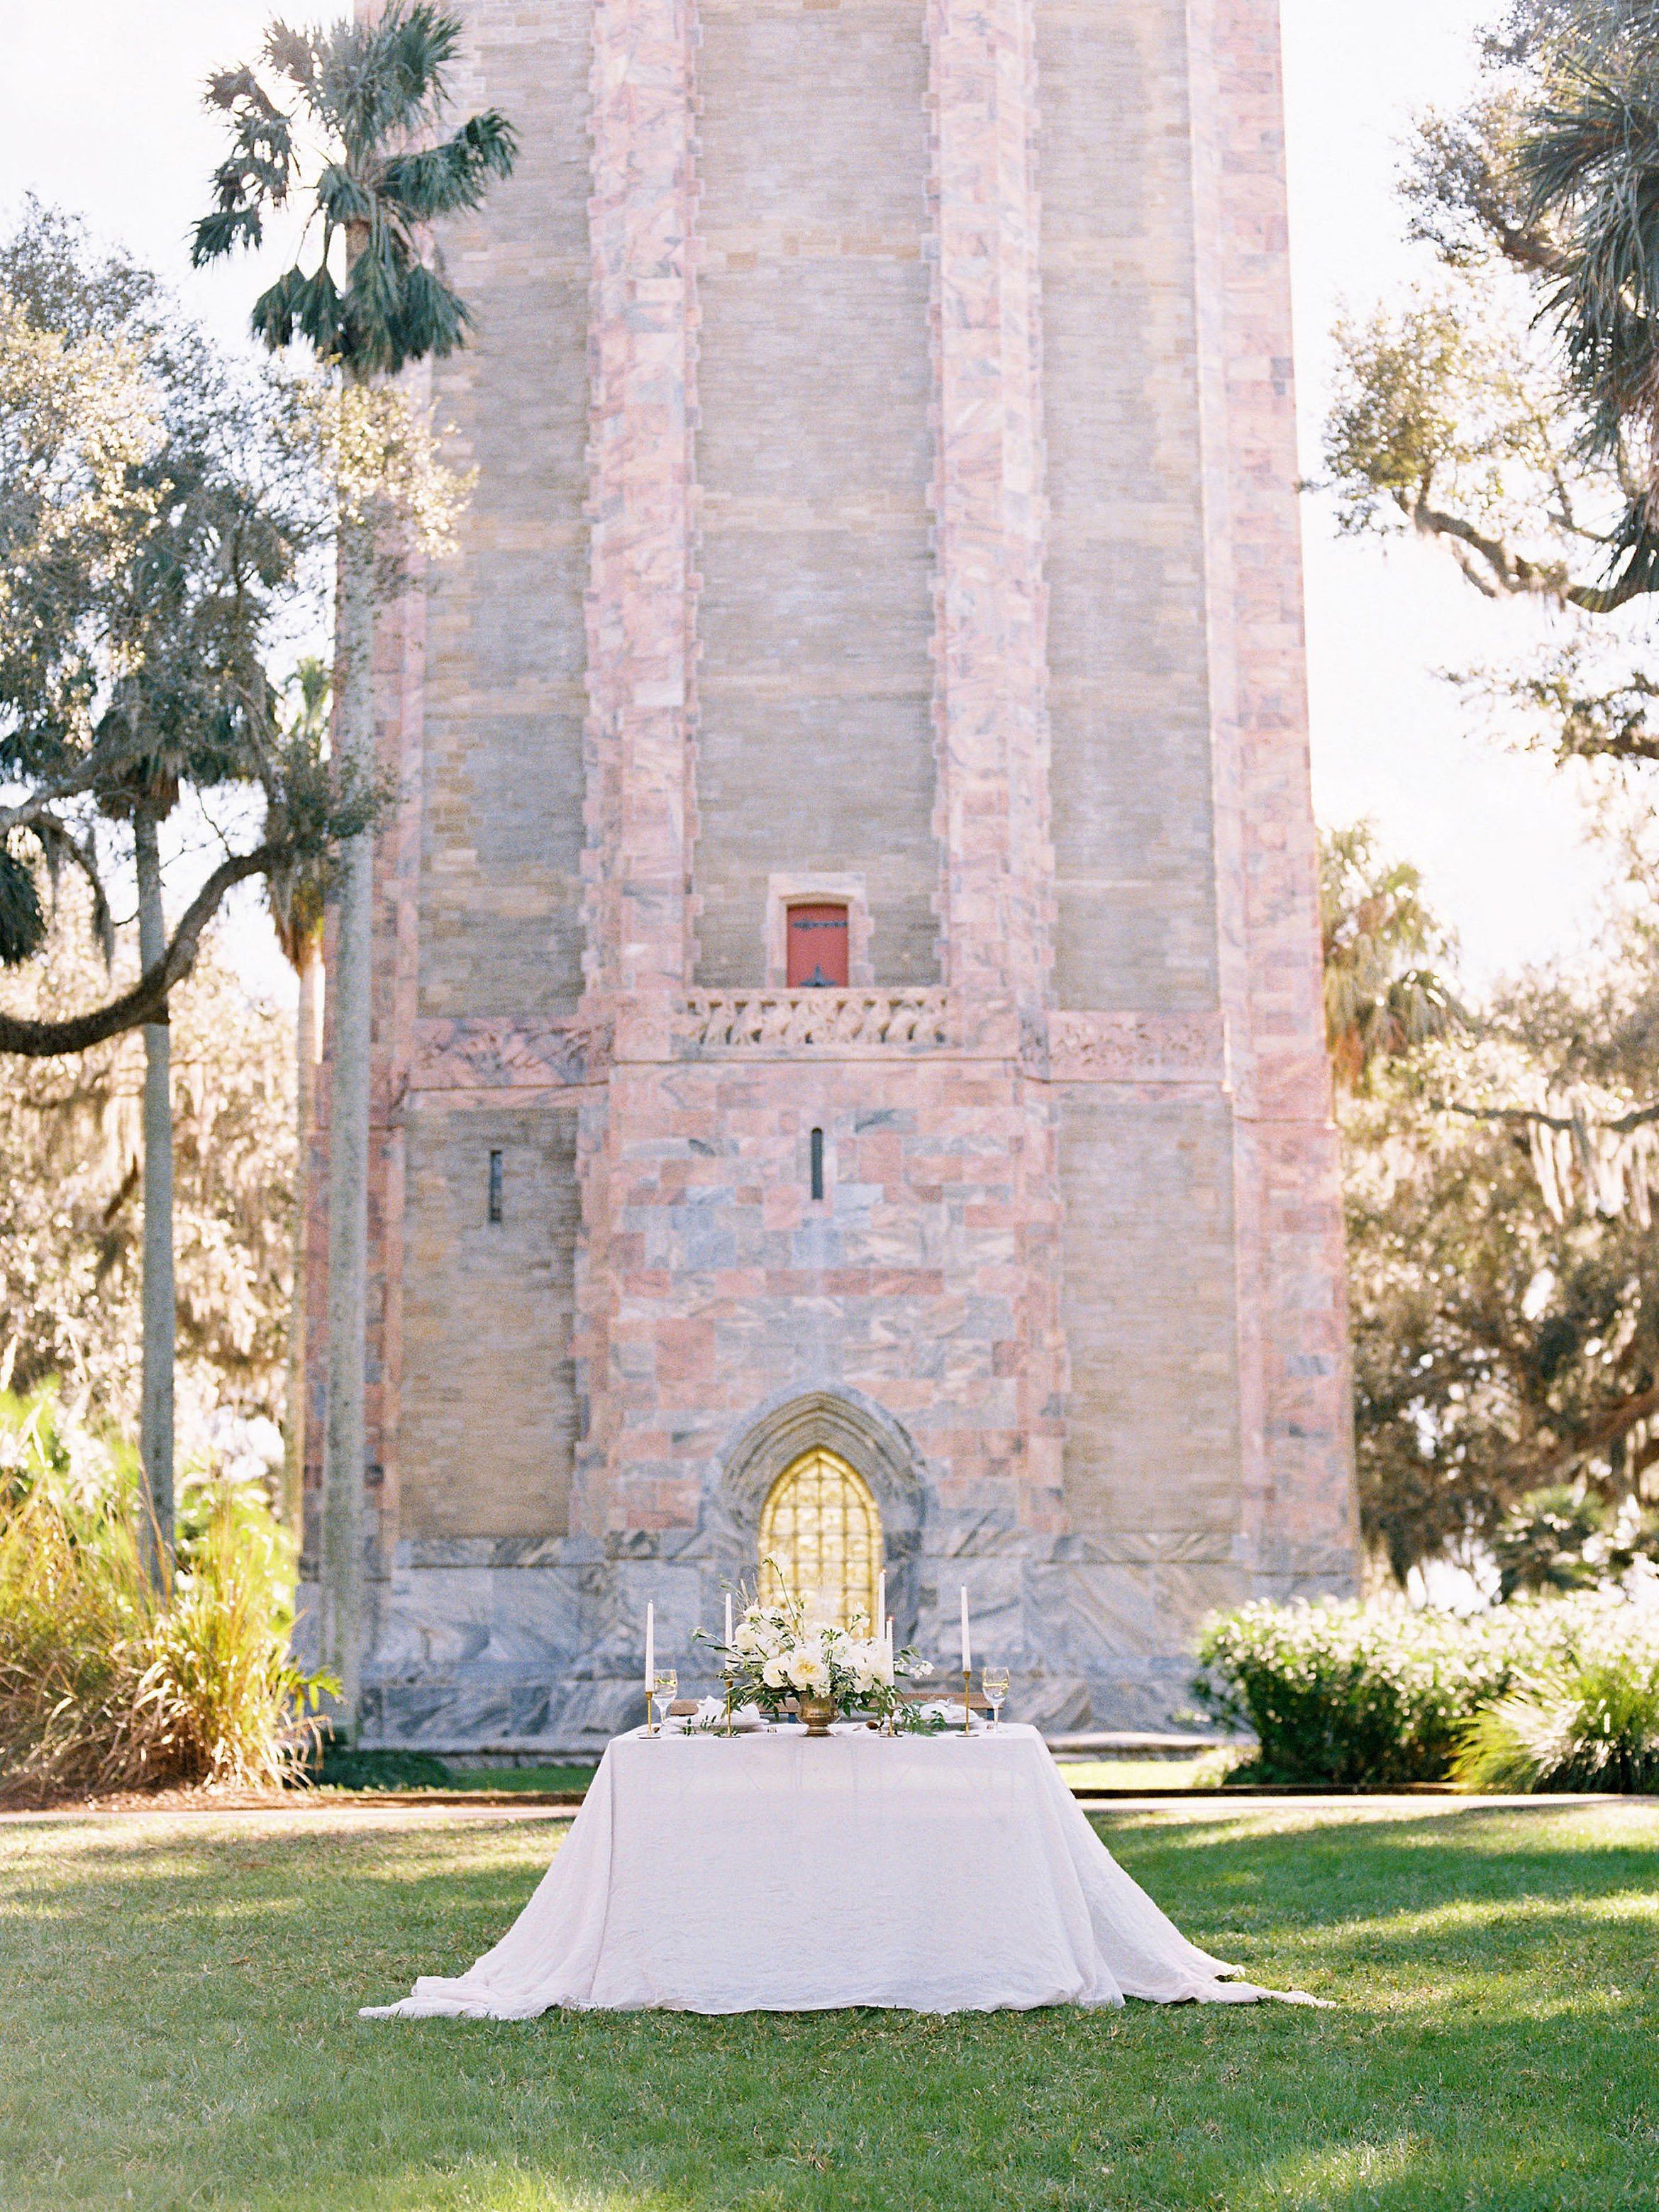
(818, 1713)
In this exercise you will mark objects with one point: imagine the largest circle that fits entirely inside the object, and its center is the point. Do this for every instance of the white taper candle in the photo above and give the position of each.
(650, 1654)
(967, 1654)
(728, 1620)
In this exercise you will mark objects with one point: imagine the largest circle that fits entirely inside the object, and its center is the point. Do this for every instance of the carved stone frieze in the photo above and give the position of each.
(491, 1054)
(1136, 1048)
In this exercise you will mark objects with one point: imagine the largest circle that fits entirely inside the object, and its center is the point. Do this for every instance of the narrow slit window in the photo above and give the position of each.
(818, 948)
(818, 1163)
(494, 1186)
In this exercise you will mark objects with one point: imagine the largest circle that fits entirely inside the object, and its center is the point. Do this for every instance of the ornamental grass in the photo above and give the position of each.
(107, 1683)
(1593, 1725)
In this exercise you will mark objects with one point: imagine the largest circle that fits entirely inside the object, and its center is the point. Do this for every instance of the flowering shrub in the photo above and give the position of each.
(1354, 1693)
(785, 1649)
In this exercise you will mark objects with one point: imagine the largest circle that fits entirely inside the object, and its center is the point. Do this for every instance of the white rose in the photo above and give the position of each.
(807, 1673)
(774, 1675)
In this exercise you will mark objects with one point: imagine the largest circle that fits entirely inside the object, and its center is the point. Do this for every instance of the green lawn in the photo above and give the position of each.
(1141, 1773)
(180, 2029)
(521, 1778)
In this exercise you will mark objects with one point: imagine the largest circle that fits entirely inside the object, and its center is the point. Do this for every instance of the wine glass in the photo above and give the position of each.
(993, 1681)
(667, 1688)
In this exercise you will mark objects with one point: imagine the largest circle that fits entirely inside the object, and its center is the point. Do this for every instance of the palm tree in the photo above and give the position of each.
(296, 909)
(1381, 999)
(158, 1297)
(375, 95)
(1588, 159)
(189, 622)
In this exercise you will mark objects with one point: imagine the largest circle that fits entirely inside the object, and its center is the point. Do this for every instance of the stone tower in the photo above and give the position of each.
(885, 527)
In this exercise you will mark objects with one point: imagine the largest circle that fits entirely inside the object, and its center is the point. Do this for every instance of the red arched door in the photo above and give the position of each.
(818, 948)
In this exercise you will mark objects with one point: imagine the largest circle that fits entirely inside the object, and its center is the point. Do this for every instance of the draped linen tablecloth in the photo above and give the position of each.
(768, 1873)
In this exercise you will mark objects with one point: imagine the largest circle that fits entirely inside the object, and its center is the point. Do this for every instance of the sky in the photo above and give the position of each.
(100, 110)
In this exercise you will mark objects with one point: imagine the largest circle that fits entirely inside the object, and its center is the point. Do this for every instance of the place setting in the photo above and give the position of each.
(827, 1833)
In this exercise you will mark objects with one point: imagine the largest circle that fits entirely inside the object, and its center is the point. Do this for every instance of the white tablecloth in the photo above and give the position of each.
(767, 1873)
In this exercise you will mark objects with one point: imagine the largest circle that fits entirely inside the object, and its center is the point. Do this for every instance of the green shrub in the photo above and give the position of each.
(106, 1683)
(335, 1766)
(1383, 1695)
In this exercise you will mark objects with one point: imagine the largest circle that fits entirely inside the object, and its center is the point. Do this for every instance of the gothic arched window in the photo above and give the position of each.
(822, 1525)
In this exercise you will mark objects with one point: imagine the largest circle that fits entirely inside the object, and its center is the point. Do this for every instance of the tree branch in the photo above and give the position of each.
(1513, 573)
(1529, 249)
(1613, 1422)
(1621, 1127)
(147, 1001)
(92, 769)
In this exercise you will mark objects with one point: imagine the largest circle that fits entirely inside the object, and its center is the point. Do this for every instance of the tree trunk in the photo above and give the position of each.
(305, 1087)
(160, 1292)
(343, 1582)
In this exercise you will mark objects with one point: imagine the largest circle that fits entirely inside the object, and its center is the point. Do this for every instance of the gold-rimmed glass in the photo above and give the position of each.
(667, 1689)
(993, 1681)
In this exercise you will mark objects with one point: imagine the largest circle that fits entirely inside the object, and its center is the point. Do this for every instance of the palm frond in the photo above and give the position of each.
(233, 88)
(1590, 166)
(342, 198)
(22, 919)
(433, 318)
(444, 179)
(276, 311)
(1382, 999)
(219, 234)
(420, 43)
(257, 174)
(293, 54)
(1633, 568)
(373, 295)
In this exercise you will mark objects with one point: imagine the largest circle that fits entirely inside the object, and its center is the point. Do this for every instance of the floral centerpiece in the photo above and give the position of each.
(786, 1651)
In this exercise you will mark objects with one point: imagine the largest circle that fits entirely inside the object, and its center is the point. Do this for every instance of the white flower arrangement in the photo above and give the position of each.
(787, 1650)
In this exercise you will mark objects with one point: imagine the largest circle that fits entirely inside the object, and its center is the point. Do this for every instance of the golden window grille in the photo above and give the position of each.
(822, 1525)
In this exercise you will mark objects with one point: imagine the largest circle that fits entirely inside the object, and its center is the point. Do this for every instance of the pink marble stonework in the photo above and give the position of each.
(882, 413)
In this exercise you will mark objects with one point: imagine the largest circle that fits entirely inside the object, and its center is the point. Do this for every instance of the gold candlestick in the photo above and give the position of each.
(728, 1705)
(967, 1705)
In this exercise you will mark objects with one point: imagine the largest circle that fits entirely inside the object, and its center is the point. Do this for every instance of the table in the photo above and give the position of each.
(769, 1872)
